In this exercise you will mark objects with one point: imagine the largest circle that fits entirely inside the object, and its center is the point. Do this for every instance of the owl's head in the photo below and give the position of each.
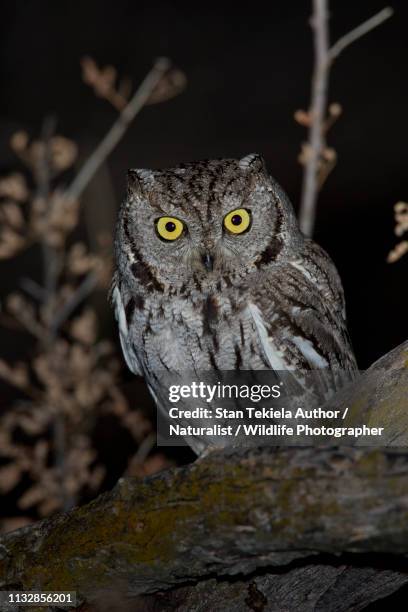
(200, 220)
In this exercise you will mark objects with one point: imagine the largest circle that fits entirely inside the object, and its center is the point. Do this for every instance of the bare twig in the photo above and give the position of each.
(33, 289)
(52, 263)
(30, 324)
(81, 293)
(43, 178)
(109, 142)
(401, 227)
(324, 58)
(359, 31)
(42, 168)
(28, 389)
(145, 447)
(317, 111)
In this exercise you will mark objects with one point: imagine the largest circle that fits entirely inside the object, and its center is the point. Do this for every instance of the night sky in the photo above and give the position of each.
(248, 70)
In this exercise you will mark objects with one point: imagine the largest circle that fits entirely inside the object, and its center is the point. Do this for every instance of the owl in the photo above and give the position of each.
(213, 274)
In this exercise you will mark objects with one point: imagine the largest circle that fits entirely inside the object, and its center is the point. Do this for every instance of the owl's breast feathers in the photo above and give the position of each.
(290, 317)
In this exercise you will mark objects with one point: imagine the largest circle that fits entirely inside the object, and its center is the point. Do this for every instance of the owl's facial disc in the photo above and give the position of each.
(202, 220)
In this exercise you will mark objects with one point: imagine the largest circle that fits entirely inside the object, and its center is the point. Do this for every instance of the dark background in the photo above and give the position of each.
(248, 70)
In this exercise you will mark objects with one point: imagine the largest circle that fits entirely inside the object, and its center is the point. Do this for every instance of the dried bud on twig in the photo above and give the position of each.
(16, 375)
(84, 327)
(9, 477)
(11, 243)
(401, 218)
(63, 153)
(10, 213)
(302, 117)
(305, 152)
(398, 251)
(401, 226)
(19, 142)
(24, 312)
(59, 153)
(14, 187)
(329, 154)
(102, 81)
(60, 218)
(79, 260)
(335, 109)
(170, 86)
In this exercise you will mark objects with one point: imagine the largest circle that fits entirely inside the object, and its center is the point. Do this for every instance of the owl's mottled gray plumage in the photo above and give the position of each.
(273, 299)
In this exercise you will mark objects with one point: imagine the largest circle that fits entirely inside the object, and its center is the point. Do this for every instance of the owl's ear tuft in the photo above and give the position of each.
(252, 163)
(140, 181)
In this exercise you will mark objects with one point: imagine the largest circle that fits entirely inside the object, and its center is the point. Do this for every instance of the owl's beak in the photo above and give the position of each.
(208, 262)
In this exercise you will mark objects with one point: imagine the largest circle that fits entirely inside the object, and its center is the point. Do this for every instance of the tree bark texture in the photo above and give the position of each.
(272, 528)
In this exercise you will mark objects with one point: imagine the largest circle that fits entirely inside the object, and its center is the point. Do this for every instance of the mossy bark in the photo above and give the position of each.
(239, 515)
(379, 398)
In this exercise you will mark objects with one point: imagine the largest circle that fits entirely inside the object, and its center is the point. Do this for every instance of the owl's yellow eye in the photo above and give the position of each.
(237, 221)
(169, 228)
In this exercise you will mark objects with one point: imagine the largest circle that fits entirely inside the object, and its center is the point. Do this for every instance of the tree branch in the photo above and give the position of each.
(324, 58)
(84, 289)
(318, 106)
(111, 139)
(231, 513)
(359, 31)
(203, 519)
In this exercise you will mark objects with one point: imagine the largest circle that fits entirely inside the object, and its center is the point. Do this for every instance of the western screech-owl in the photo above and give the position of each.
(213, 273)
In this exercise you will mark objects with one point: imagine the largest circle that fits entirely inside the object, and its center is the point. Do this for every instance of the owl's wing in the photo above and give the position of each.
(299, 315)
(125, 341)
